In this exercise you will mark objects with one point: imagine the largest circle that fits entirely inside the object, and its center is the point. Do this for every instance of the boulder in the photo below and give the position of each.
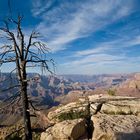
(116, 127)
(47, 135)
(66, 130)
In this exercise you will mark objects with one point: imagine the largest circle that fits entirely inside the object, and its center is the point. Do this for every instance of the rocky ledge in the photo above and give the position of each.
(97, 118)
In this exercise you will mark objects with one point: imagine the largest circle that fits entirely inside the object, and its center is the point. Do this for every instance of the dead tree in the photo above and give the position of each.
(23, 53)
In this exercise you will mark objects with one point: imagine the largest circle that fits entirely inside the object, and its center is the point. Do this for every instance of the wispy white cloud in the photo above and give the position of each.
(101, 63)
(40, 6)
(100, 60)
(89, 16)
(98, 49)
(110, 46)
(134, 41)
(96, 58)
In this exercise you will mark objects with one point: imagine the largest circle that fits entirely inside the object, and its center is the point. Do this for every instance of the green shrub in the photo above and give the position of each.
(20, 136)
(14, 137)
(111, 92)
(72, 115)
(36, 136)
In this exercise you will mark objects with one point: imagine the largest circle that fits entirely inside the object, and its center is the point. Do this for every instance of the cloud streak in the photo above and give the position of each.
(90, 16)
(101, 63)
(110, 46)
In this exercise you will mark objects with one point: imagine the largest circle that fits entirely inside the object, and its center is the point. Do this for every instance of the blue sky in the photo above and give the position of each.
(85, 36)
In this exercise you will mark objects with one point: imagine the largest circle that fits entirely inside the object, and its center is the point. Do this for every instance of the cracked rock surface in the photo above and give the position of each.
(113, 117)
(116, 127)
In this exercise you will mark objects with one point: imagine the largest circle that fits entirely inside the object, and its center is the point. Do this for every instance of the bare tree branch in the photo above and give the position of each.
(11, 87)
(34, 108)
(23, 55)
(9, 104)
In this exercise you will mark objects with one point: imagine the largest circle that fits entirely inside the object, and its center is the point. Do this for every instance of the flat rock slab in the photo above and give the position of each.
(116, 127)
(122, 107)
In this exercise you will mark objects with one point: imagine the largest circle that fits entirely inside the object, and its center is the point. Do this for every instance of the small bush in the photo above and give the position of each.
(14, 137)
(36, 136)
(111, 92)
(72, 115)
(20, 136)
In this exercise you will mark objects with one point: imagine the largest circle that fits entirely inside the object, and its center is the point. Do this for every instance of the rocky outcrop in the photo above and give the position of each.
(116, 127)
(75, 107)
(66, 130)
(106, 104)
(114, 118)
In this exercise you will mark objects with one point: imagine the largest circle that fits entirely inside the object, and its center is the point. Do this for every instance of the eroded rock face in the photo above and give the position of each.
(116, 127)
(137, 76)
(66, 130)
(114, 118)
(132, 83)
(122, 107)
